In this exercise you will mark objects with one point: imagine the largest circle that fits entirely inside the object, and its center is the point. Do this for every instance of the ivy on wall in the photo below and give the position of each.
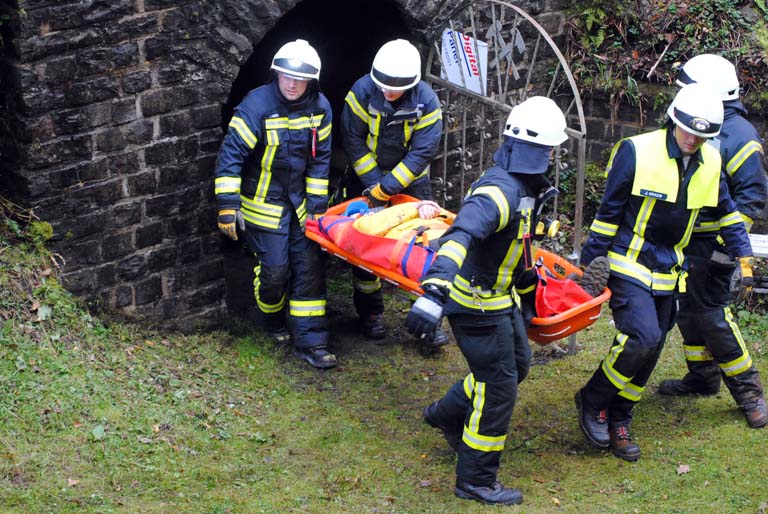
(625, 48)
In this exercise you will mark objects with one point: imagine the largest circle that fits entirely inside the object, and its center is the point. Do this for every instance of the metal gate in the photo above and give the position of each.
(521, 60)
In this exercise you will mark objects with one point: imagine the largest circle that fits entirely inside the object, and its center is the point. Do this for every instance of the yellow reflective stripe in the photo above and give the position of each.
(371, 141)
(469, 385)
(227, 185)
(260, 213)
(743, 363)
(364, 164)
(366, 286)
(621, 264)
(361, 113)
(242, 130)
(324, 132)
(730, 219)
(696, 353)
(632, 392)
(641, 224)
(526, 290)
(403, 175)
(748, 222)
(301, 211)
(317, 186)
(680, 246)
(499, 199)
(429, 119)
(303, 308)
(407, 131)
(264, 307)
(266, 171)
(478, 402)
(307, 307)
(303, 122)
(454, 251)
(483, 443)
(508, 265)
(604, 228)
(742, 155)
(481, 300)
(616, 378)
(438, 282)
(706, 226)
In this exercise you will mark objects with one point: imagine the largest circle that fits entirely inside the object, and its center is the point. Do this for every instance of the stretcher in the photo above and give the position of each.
(542, 330)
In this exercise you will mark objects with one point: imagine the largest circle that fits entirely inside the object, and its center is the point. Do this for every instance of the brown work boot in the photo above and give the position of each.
(595, 276)
(622, 445)
(755, 413)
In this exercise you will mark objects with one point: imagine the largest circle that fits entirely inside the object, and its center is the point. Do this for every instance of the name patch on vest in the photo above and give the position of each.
(653, 194)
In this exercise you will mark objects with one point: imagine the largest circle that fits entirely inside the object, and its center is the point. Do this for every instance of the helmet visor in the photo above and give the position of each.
(695, 125)
(295, 68)
(390, 82)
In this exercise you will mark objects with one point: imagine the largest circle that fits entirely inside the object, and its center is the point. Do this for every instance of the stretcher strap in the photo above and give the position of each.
(407, 254)
(325, 230)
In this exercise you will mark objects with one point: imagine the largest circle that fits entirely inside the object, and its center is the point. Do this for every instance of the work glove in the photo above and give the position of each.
(746, 279)
(376, 196)
(229, 221)
(304, 222)
(425, 314)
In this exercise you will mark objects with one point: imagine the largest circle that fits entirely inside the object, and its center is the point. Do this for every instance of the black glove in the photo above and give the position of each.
(425, 313)
(376, 196)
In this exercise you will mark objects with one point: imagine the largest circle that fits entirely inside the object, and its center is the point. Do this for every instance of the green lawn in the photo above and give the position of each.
(100, 418)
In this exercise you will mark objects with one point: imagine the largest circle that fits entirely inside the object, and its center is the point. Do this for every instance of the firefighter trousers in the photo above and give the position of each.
(712, 341)
(290, 265)
(480, 406)
(643, 321)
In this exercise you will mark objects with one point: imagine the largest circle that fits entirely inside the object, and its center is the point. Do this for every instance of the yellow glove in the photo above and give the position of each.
(376, 196)
(229, 221)
(747, 280)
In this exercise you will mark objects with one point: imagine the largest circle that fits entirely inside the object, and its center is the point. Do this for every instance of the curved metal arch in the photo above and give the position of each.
(468, 113)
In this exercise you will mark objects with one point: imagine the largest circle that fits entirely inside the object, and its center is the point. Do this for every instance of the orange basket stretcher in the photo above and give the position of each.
(542, 330)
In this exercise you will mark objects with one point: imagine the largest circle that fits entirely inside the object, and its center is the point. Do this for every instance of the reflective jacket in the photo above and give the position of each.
(275, 157)
(647, 213)
(391, 144)
(482, 255)
(741, 149)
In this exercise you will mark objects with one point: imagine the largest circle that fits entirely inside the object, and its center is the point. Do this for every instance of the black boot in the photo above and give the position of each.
(494, 494)
(675, 387)
(593, 422)
(373, 326)
(452, 434)
(318, 356)
(622, 445)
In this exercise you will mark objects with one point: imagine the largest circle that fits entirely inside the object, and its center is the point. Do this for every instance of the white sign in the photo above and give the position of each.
(465, 61)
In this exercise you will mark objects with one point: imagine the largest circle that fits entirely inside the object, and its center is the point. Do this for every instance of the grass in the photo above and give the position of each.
(100, 417)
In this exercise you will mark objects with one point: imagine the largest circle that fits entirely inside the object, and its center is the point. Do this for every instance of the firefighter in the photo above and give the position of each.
(712, 341)
(656, 184)
(271, 175)
(472, 280)
(391, 127)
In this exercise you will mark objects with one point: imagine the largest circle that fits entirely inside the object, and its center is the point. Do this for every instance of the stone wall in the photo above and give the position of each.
(110, 120)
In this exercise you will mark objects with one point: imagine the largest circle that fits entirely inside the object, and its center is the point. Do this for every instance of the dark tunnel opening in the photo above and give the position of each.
(346, 35)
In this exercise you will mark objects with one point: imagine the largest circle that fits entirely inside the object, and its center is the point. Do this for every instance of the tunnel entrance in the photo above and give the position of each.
(346, 35)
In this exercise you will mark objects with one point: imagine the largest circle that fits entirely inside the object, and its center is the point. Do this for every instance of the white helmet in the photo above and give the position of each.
(397, 66)
(716, 72)
(538, 120)
(698, 110)
(297, 60)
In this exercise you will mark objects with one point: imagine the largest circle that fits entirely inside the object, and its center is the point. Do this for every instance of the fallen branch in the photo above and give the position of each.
(653, 68)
